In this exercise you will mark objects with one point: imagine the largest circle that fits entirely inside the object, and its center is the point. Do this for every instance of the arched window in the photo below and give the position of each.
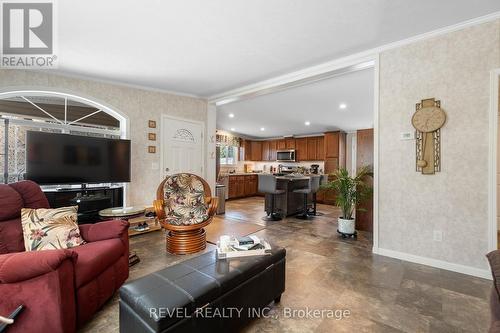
(49, 111)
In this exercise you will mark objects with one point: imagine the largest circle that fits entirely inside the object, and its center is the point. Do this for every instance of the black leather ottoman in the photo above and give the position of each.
(203, 294)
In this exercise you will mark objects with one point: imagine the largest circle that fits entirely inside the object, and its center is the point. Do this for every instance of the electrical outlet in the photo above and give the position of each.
(438, 236)
(155, 166)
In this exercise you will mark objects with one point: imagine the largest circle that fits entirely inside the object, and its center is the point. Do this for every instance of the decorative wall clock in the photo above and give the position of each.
(428, 120)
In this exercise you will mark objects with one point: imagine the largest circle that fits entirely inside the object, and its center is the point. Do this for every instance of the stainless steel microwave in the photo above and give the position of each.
(285, 155)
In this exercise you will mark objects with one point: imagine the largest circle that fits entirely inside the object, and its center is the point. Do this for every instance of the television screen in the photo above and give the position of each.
(71, 159)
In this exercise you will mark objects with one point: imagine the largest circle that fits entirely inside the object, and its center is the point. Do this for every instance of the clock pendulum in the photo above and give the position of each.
(428, 120)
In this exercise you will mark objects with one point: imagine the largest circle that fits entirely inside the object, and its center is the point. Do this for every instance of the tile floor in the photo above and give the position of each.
(326, 272)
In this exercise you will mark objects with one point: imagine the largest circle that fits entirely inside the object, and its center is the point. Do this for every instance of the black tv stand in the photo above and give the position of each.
(83, 188)
(90, 200)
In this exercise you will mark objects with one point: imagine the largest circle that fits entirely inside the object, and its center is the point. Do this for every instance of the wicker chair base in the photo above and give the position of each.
(186, 241)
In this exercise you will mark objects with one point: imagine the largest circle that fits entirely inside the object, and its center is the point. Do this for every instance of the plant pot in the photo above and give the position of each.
(346, 226)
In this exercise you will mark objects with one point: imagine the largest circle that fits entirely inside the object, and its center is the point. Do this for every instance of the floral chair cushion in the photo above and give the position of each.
(184, 198)
(48, 229)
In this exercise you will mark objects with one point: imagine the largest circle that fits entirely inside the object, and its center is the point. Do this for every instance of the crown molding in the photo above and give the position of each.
(357, 61)
(118, 83)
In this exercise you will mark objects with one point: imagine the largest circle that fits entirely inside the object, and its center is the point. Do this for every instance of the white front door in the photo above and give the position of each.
(182, 146)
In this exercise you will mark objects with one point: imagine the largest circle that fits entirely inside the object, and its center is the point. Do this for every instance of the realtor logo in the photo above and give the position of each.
(28, 34)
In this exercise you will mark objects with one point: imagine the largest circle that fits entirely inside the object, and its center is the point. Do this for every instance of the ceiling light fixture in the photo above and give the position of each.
(307, 123)
(342, 106)
(232, 129)
(262, 128)
(231, 115)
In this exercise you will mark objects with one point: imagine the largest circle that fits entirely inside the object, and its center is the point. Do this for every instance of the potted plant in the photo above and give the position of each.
(351, 192)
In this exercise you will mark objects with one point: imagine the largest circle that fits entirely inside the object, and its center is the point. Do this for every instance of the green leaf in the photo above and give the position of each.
(350, 192)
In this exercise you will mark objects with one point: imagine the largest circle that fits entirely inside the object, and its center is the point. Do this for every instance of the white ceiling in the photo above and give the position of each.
(285, 112)
(207, 47)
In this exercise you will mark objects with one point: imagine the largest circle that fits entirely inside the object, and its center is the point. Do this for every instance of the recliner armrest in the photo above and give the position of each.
(21, 266)
(103, 230)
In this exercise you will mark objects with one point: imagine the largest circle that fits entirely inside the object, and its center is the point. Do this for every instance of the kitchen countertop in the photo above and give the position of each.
(292, 178)
(277, 177)
(242, 174)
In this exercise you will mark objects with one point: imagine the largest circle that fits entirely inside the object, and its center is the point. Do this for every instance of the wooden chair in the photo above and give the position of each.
(184, 206)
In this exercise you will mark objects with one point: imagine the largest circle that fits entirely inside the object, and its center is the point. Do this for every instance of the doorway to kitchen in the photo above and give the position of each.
(314, 123)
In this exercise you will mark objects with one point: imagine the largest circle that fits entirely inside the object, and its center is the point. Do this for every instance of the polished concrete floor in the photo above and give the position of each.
(356, 290)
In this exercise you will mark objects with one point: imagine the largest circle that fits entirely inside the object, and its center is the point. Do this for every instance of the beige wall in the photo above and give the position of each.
(454, 68)
(137, 104)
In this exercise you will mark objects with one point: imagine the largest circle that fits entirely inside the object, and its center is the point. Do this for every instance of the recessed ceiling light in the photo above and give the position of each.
(231, 115)
(307, 123)
(232, 129)
(262, 128)
(342, 106)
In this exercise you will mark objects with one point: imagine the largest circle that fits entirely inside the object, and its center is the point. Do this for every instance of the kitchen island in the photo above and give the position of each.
(288, 203)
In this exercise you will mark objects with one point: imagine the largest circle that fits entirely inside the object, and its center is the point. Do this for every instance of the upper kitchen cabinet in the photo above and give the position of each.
(256, 151)
(312, 148)
(290, 143)
(320, 148)
(332, 144)
(245, 150)
(273, 147)
(334, 148)
(301, 149)
(266, 152)
(281, 144)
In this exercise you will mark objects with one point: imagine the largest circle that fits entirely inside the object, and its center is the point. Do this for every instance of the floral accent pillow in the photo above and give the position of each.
(184, 197)
(49, 229)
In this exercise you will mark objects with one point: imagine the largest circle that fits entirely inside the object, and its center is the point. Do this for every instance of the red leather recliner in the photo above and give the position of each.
(60, 289)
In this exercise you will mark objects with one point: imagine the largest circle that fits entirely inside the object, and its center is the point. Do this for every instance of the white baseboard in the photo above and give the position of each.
(482, 273)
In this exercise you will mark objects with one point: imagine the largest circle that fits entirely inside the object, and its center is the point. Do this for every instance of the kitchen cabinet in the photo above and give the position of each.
(273, 148)
(266, 152)
(290, 143)
(236, 186)
(326, 196)
(329, 147)
(245, 150)
(301, 149)
(256, 151)
(320, 148)
(312, 147)
(364, 156)
(242, 186)
(331, 164)
(232, 187)
(335, 147)
(250, 185)
(331, 144)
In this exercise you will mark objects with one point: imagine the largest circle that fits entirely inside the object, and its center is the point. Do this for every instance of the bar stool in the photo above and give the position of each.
(268, 185)
(305, 191)
(315, 183)
(322, 180)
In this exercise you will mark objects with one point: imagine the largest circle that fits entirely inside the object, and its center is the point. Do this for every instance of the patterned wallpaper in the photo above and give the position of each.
(454, 68)
(137, 104)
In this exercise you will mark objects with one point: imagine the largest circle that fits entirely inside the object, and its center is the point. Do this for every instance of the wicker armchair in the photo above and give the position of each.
(184, 207)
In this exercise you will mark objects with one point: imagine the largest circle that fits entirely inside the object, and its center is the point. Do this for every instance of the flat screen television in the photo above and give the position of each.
(53, 158)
